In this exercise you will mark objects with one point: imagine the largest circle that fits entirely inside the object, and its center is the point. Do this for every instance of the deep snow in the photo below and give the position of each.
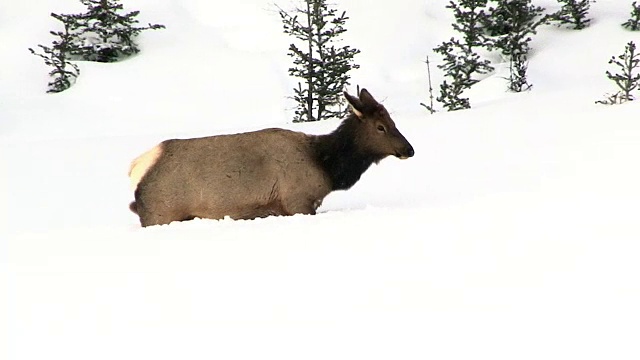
(512, 234)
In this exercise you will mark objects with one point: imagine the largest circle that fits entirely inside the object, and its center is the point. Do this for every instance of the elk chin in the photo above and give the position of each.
(401, 156)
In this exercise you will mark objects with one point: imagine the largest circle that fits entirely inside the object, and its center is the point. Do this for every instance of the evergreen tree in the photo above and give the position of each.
(574, 12)
(633, 23)
(322, 65)
(497, 22)
(103, 34)
(470, 21)
(461, 63)
(56, 57)
(521, 19)
(628, 77)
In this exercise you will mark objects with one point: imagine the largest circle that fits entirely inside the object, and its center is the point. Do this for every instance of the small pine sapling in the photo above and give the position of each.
(461, 63)
(628, 77)
(633, 23)
(470, 21)
(521, 19)
(322, 66)
(64, 73)
(103, 34)
(574, 12)
(100, 35)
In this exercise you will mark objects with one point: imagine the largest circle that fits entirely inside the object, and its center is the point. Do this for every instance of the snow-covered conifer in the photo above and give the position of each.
(103, 33)
(574, 12)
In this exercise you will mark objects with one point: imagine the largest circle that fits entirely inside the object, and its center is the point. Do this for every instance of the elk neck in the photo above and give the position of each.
(339, 155)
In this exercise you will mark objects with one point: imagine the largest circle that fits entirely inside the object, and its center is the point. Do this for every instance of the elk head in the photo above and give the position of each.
(377, 133)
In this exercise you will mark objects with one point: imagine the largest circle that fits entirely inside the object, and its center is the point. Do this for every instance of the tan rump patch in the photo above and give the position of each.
(142, 164)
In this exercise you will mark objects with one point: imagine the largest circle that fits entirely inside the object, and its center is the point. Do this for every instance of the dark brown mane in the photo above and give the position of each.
(339, 156)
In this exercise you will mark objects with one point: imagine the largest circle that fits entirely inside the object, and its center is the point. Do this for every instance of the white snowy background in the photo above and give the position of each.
(514, 233)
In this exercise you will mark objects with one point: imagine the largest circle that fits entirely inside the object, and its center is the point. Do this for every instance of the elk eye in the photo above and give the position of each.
(382, 129)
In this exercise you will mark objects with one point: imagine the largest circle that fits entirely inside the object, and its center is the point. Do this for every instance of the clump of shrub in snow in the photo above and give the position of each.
(628, 77)
(100, 34)
(574, 12)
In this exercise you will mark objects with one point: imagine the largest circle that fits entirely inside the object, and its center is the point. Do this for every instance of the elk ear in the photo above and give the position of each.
(356, 105)
(367, 100)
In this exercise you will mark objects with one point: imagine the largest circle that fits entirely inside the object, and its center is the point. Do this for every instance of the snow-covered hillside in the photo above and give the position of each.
(513, 233)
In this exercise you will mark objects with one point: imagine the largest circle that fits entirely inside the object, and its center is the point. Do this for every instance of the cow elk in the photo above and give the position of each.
(262, 173)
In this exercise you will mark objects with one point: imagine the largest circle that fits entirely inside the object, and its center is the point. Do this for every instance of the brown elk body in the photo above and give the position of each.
(262, 173)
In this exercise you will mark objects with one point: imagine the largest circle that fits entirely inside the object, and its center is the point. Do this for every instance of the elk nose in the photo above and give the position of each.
(410, 151)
